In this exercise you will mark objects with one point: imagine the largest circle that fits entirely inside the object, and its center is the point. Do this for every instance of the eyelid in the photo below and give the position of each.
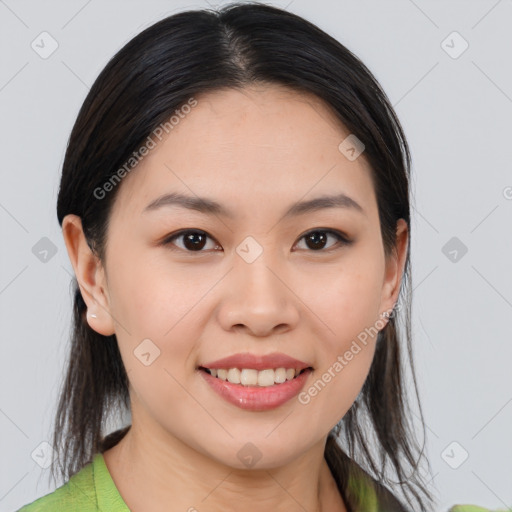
(343, 239)
(167, 240)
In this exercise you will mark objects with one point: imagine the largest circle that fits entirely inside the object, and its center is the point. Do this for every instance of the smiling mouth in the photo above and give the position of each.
(256, 378)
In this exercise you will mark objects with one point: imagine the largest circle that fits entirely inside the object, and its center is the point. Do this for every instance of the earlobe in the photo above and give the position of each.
(89, 274)
(100, 321)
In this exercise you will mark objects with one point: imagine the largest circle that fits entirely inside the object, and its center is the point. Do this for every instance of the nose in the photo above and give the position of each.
(258, 300)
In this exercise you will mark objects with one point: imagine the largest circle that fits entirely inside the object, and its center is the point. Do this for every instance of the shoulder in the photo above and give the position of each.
(475, 508)
(365, 494)
(78, 494)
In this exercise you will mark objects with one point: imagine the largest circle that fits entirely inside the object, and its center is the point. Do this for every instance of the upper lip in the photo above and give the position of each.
(257, 362)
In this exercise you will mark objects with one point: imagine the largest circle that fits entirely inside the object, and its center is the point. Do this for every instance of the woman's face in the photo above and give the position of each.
(250, 281)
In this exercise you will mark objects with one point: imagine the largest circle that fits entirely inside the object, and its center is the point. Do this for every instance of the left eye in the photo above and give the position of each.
(195, 240)
(318, 238)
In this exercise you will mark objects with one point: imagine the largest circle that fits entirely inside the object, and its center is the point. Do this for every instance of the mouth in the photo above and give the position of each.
(256, 390)
(250, 377)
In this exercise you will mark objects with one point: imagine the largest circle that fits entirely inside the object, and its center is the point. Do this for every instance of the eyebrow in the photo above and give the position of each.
(211, 207)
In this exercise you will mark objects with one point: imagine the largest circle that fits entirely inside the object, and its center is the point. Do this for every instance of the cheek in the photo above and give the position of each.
(346, 346)
(346, 298)
(346, 303)
(165, 304)
(338, 385)
(152, 295)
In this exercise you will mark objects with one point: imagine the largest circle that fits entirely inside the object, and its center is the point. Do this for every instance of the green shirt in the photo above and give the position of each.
(92, 489)
(474, 508)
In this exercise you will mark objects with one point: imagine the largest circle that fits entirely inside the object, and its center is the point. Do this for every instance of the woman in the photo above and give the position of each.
(235, 204)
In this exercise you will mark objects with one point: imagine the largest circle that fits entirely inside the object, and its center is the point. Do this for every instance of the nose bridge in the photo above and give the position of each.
(257, 295)
(255, 271)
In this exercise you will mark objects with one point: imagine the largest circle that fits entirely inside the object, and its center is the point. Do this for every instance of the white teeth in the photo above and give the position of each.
(266, 377)
(250, 377)
(234, 375)
(280, 376)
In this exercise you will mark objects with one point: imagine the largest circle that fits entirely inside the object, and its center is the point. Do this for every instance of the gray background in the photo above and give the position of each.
(456, 110)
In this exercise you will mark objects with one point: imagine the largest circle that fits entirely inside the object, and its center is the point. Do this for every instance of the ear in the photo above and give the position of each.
(394, 269)
(90, 275)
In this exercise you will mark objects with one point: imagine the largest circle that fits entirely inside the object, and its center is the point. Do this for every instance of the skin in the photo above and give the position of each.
(238, 147)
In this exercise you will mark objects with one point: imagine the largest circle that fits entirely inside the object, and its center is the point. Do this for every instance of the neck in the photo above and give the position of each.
(152, 475)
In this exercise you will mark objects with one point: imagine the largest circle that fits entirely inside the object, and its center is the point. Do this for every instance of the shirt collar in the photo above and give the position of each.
(107, 495)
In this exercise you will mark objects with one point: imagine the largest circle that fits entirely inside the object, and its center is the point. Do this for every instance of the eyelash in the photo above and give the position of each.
(342, 239)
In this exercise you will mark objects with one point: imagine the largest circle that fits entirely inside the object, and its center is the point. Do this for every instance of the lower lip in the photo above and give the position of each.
(257, 398)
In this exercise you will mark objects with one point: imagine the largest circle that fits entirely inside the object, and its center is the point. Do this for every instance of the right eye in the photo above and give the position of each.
(194, 240)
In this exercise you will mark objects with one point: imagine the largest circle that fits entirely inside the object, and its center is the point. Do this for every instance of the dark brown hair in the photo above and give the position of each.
(152, 76)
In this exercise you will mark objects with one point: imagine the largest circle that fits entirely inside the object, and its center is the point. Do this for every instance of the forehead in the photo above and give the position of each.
(249, 146)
